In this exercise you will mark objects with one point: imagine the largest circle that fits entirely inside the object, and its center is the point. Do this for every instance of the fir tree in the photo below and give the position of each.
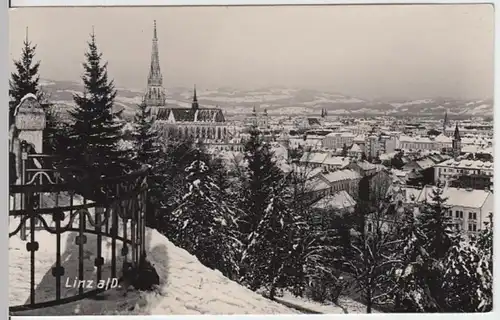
(92, 145)
(468, 274)
(268, 258)
(148, 151)
(147, 148)
(270, 227)
(170, 179)
(206, 225)
(261, 173)
(427, 242)
(26, 78)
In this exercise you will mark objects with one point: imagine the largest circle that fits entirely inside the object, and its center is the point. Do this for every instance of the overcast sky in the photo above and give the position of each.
(369, 51)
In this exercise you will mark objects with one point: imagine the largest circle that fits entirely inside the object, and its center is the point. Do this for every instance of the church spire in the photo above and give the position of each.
(457, 133)
(154, 71)
(155, 96)
(445, 121)
(155, 36)
(456, 142)
(195, 105)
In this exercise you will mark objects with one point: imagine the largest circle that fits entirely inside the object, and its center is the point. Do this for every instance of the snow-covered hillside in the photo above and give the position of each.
(282, 101)
(186, 286)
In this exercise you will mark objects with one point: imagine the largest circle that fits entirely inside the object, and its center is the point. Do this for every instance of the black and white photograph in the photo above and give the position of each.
(259, 160)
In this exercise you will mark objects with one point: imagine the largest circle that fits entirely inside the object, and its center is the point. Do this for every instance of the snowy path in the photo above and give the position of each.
(345, 305)
(186, 286)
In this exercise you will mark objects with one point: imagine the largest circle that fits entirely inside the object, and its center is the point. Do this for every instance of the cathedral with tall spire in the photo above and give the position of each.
(155, 94)
(175, 122)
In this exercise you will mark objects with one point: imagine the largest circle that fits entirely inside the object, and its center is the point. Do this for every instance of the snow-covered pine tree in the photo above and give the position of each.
(147, 149)
(268, 258)
(260, 175)
(426, 243)
(484, 245)
(170, 177)
(26, 80)
(205, 224)
(92, 144)
(468, 275)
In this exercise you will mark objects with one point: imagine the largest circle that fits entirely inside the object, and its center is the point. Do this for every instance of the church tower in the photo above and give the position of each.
(445, 122)
(456, 143)
(194, 105)
(155, 95)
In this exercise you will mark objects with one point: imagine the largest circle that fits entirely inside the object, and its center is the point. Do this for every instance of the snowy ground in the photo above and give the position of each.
(345, 305)
(186, 286)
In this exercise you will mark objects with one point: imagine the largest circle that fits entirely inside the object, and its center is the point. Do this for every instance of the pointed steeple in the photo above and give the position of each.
(154, 71)
(194, 104)
(456, 143)
(155, 95)
(456, 136)
(445, 121)
(26, 35)
(155, 36)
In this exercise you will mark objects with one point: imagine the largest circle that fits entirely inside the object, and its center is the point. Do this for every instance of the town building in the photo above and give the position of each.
(452, 169)
(469, 209)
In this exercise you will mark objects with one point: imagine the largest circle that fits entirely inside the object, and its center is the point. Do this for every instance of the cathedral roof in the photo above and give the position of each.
(209, 115)
(183, 114)
(162, 113)
(190, 115)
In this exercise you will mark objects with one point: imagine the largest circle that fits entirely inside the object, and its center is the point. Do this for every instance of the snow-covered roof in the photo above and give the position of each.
(425, 163)
(367, 166)
(360, 138)
(316, 184)
(467, 164)
(315, 157)
(442, 138)
(338, 200)
(355, 148)
(337, 161)
(400, 173)
(469, 198)
(341, 175)
(387, 156)
(416, 139)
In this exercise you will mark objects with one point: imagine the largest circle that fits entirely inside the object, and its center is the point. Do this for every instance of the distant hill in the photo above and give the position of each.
(282, 101)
